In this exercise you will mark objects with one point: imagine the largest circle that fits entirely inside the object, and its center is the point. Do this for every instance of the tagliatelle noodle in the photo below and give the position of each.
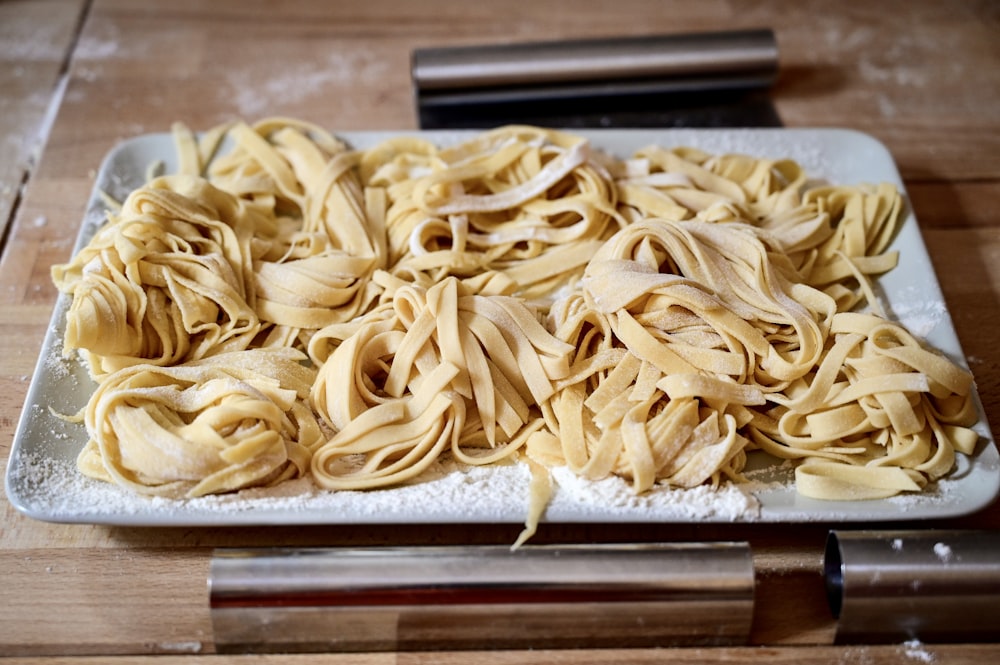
(888, 417)
(829, 234)
(168, 279)
(699, 343)
(726, 262)
(524, 201)
(871, 411)
(331, 235)
(185, 270)
(325, 340)
(482, 363)
(208, 426)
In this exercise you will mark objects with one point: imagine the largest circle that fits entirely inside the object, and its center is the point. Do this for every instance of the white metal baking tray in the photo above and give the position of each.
(42, 481)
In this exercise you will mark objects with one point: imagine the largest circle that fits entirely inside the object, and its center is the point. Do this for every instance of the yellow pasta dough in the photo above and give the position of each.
(220, 424)
(167, 279)
(443, 369)
(287, 305)
(524, 201)
(690, 348)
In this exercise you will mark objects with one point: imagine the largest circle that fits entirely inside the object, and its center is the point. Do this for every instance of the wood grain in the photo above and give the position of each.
(35, 43)
(952, 654)
(133, 595)
(108, 601)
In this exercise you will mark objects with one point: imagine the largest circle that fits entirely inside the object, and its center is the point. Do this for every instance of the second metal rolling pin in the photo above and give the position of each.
(484, 597)
(929, 585)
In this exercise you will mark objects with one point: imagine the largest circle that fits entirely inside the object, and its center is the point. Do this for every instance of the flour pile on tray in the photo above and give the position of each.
(286, 306)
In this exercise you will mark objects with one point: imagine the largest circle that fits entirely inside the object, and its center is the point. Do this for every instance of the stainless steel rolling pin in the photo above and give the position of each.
(928, 585)
(484, 597)
(714, 79)
(559, 69)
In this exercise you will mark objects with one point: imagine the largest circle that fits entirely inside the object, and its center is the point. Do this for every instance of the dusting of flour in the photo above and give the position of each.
(917, 312)
(449, 492)
(729, 502)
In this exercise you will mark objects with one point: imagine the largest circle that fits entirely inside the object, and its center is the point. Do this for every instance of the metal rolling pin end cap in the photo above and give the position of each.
(480, 597)
(928, 585)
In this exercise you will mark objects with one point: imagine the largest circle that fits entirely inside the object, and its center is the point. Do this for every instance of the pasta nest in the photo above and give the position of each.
(436, 369)
(215, 425)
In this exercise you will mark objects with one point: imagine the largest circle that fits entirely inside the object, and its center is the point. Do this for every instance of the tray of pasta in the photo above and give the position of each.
(273, 324)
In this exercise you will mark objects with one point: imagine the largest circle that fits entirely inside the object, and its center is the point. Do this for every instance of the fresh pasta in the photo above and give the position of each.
(208, 426)
(485, 361)
(521, 200)
(168, 279)
(285, 305)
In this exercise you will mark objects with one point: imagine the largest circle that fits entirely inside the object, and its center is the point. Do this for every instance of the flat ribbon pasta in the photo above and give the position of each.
(668, 365)
(166, 280)
(441, 369)
(330, 231)
(520, 200)
(204, 427)
(732, 267)
(685, 328)
(832, 235)
(879, 415)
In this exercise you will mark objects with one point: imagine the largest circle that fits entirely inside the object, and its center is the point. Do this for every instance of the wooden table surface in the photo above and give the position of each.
(76, 76)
